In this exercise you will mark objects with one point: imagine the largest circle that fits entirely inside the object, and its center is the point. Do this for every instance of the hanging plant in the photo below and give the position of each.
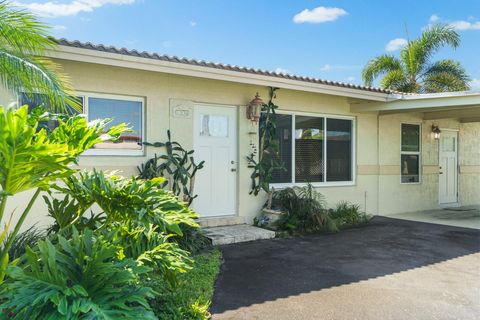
(268, 158)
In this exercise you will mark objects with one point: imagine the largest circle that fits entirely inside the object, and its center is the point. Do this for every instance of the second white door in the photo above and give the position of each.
(448, 175)
(215, 142)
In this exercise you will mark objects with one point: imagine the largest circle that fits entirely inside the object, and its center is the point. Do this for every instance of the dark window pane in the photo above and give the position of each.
(284, 142)
(410, 137)
(309, 139)
(121, 111)
(339, 150)
(35, 100)
(410, 168)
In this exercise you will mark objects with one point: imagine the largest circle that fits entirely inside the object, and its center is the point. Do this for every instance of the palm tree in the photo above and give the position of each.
(414, 72)
(23, 42)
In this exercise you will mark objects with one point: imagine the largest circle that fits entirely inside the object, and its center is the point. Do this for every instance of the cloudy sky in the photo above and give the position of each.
(327, 39)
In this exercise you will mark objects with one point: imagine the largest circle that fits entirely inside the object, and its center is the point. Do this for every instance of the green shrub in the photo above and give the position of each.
(129, 201)
(192, 239)
(191, 298)
(27, 238)
(348, 214)
(151, 248)
(304, 209)
(79, 278)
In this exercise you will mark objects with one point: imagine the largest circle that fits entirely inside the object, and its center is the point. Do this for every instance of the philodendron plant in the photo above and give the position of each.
(32, 158)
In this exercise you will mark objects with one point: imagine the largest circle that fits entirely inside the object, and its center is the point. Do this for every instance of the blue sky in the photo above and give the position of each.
(326, 39)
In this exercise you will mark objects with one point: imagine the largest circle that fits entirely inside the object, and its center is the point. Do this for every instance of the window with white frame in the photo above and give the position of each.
(410, 153)
(120, 109)
(314, 149)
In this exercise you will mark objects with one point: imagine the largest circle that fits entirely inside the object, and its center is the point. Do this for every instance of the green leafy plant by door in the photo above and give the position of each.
(177, 165)
(268, 157)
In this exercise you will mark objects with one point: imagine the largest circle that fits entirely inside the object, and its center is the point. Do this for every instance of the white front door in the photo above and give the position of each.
(215, 142)
(448, 175)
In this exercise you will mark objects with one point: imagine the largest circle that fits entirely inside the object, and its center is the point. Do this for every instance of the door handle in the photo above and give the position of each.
(233, 170)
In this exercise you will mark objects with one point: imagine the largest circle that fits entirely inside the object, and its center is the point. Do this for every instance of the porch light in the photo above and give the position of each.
(436, 132)
(254, 108)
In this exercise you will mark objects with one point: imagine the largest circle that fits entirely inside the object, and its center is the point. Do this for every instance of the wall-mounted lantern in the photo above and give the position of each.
(436, 132)
(254, 108)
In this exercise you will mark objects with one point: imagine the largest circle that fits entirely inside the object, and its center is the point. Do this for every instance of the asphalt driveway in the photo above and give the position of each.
(388, 269)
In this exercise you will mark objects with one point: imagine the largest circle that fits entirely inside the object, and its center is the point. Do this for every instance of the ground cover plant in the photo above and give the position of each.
(110, 233)
(191, 298)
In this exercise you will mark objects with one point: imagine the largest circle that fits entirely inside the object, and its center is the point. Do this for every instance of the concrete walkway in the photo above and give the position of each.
(465, 217)
(389, 269)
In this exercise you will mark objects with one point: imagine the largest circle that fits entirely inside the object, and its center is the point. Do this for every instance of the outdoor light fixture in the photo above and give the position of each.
(436, 132)
(254, 108)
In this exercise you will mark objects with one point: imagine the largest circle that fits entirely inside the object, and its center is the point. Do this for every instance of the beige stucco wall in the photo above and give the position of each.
(395, 197)
(377, 194)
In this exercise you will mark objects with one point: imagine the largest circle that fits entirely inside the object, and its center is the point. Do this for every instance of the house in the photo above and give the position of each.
(386, 151)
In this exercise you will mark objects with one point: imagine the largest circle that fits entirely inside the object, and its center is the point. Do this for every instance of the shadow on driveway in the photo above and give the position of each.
(256, 272)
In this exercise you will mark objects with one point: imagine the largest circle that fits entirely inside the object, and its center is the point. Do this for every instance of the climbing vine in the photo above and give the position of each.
(268, 157)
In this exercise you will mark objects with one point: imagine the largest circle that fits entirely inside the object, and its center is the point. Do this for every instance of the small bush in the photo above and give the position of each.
(80, 278)
(192, 239)
(191, 298)
(27, 238)
(305, 210)
(348, 214)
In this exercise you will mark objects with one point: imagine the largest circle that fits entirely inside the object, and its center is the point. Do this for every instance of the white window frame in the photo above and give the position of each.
(325, 116)
(114, 152)
(419, 153)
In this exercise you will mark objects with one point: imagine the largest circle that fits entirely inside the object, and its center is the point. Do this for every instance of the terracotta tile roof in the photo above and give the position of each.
(156, 56)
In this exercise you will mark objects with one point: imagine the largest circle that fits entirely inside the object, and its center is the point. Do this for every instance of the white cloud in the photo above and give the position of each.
(193, 24)
(465, 25)
(319, 15)
(396, 44)
(57, 9)
(475, 84)
(281, 71)
(336, 67)
(434, 18)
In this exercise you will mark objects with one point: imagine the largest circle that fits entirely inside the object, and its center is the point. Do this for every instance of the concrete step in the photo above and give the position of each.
(236, 233)
(220, 221)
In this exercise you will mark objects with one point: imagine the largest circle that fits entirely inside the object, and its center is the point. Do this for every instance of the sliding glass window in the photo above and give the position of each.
(314, 149)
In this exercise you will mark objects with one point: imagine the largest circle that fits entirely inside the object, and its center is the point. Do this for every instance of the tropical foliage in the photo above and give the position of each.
(33, 159)
(268, 157)
(23, 42)
(177, 165)
(305, 210)
(76, 278)
(414, 71)
(110, 233)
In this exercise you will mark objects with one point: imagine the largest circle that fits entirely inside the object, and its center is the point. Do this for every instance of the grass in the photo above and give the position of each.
(191, 298)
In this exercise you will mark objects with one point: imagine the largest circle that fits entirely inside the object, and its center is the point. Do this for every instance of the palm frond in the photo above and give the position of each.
(444, 82)
(21, 31)
(378, 66)
(448, 66)
(395, 80)
(419, 51)
(22, 73)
